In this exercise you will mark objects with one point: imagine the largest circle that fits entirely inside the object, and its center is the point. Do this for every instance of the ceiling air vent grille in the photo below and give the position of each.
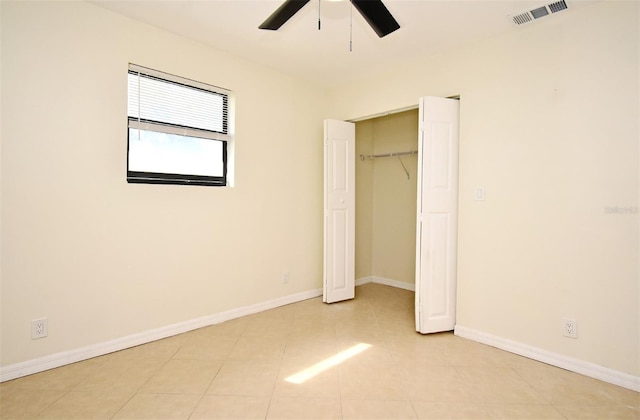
(538, 12)
(522, 18)
(557, 6)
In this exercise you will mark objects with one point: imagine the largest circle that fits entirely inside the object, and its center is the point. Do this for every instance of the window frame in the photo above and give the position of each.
(137, 123)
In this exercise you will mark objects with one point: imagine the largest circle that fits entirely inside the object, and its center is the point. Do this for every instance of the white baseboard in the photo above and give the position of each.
(41, 364)
(386, 282)
(364, 280)
(574, 365)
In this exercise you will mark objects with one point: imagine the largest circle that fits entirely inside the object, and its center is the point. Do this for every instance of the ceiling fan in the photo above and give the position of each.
(373, 11)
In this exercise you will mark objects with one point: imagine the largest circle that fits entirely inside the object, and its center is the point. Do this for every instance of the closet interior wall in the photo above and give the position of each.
(386, 197)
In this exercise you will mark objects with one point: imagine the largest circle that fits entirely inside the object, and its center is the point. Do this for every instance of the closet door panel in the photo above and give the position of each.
(437, 215)
(339, 211)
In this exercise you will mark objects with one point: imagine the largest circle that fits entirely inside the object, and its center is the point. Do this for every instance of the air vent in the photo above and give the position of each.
(538, 12)
(522, 18)
(557, 6)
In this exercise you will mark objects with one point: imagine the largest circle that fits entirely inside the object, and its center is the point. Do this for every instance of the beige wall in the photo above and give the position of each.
(549, 127)
(386, 199)
(103, 259)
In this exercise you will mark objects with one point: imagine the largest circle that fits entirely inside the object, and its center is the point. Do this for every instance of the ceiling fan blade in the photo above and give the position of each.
(377, 15)
(283, 14)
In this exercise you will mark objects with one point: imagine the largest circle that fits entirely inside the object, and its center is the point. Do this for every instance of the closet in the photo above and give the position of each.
(386, 192)
(390, 215)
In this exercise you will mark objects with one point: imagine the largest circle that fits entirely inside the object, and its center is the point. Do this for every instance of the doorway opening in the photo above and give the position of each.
(436, 199)
(386, 192)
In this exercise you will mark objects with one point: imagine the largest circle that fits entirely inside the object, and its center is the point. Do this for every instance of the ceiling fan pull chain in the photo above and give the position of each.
(319, 1)
(351, 27)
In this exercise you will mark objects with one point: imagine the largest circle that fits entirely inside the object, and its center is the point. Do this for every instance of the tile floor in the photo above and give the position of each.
(243, 369)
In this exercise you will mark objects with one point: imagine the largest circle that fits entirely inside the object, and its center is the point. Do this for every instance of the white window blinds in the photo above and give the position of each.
(171, 104)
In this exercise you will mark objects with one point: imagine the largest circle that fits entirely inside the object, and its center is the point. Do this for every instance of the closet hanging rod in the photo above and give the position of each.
(384, 155)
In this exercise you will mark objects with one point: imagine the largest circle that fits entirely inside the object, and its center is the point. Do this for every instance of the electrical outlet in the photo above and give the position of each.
(285, 277)
(39, 328)
(570, 328)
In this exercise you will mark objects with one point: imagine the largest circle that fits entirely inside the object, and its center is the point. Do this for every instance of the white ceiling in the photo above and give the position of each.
(427, 27)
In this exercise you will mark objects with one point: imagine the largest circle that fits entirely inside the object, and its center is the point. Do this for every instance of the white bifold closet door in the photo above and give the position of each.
(339, 211)
(437, 215)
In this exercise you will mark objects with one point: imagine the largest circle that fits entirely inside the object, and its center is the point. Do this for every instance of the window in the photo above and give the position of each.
(178, 130)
